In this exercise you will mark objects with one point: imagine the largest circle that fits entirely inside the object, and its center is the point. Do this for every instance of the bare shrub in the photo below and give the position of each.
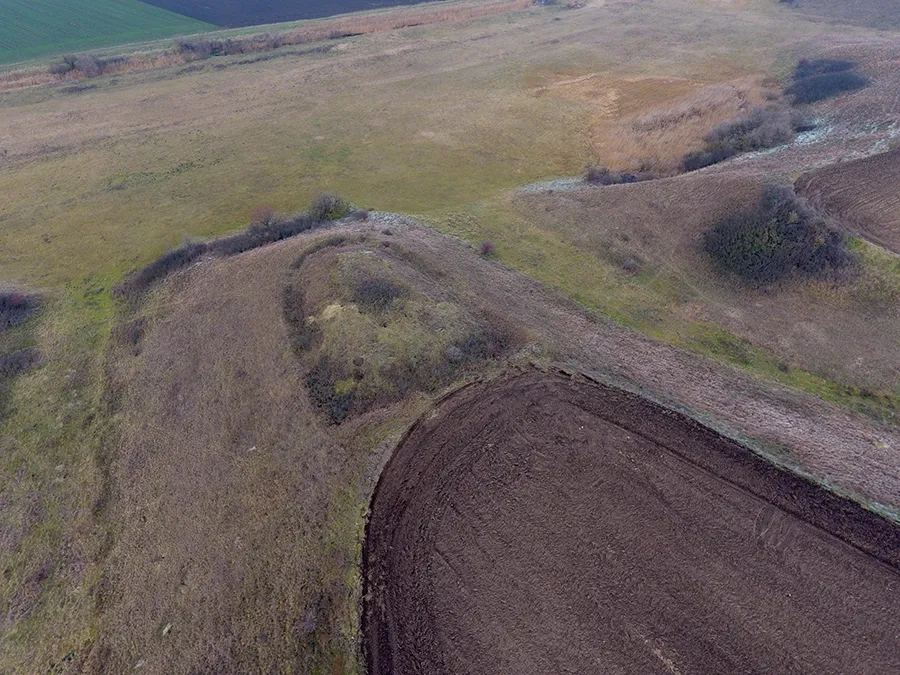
(16, 308)
(323, 384)
(486, 248)
(173, 260)
(263, 215)
(702, 158)
(761, 128)
(17, 362)
(260, 233)
(601, 175)
(65, 65)
(782, 237)
(328, 207)
(376, 295)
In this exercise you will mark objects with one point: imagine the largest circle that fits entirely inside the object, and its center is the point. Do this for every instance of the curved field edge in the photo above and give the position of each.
(422, 457)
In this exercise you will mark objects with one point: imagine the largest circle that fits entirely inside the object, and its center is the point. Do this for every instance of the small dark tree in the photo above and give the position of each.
(328, 207)
(780, 238)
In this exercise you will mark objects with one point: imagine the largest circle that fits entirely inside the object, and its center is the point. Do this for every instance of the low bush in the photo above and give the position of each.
(702, 158)
(17, 362)
(327, 394)
(761, 128)
(16, 308)
(328, 207)
(260, 233)
(376, 295)
(601, 175)
(819, 87)
(811, 67)
(486, 248)
(173, 260)
(86, 65)
(782, 237)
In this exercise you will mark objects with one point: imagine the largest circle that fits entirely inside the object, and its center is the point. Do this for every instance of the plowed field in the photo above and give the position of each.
(546, 524)
(864, 194)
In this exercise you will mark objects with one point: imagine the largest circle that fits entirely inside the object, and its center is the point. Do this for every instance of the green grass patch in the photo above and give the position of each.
(32, 28)
(50, 485)
(650, 301)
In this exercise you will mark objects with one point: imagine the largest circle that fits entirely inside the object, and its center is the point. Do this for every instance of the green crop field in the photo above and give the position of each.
(33, 28)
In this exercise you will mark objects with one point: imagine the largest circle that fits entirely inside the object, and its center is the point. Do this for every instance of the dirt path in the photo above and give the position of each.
(545, 524)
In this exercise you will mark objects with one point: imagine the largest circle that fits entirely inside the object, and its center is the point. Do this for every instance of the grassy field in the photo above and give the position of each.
(439, 121)
(32, 28)
(225, 13)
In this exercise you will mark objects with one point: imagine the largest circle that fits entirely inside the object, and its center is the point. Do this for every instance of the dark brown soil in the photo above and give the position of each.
(863, 194)
(547, 524)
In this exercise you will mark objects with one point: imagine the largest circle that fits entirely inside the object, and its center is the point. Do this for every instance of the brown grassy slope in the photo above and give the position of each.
(848, 333)
(881, 14)
(238, 507)
(236, 512)
(864, 194)
(231, 502)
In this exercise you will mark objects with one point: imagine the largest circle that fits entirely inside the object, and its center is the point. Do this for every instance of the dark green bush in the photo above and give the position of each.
(782, 237)
(811, 67)
(702, 158)
(173, 260)
(16, 308)
(376, 295)
(819, 87)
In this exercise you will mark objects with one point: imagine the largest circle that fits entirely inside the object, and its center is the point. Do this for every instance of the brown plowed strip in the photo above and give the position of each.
(546, 524)
(864, 194)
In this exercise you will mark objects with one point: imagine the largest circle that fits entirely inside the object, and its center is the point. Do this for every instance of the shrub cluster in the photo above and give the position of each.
(17, 362)
(16, 308)
(761, 128)
(819, 87)
(260, 233)
(328, 207)
(168, 262)
(601, 175)
(376, 295)
(86, 65)
(322, 385)
(197, 48)
(782, 237)
(266, 227)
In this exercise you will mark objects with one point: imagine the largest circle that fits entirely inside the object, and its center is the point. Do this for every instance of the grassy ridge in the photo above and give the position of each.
(31, 28)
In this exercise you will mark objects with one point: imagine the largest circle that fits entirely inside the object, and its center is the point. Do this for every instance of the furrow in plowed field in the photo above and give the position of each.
(547, 524)
(864, 194)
